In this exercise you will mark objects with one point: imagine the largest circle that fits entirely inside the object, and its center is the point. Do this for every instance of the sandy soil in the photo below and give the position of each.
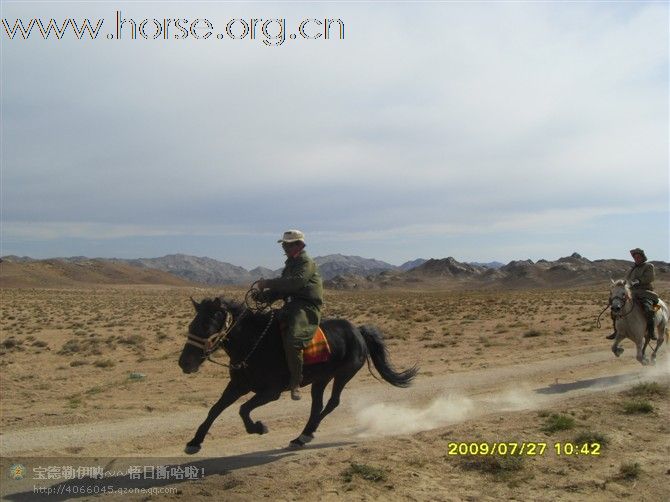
(513, 367)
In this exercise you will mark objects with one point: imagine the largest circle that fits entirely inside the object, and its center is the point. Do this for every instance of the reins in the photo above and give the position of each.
(243, 364)
(215, 341)
(632, 307)
(618, 316)
(601, 313)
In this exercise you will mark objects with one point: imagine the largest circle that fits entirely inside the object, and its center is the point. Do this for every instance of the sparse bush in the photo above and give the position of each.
(629, 471)
(637, 406)
(531, 333)
(132, 340)
(648, 389)
(557, 422)
(364, 471)
(74, 402)
(70, 347)
(590, 437)
(104, 363)
(501, 466)
(501, 328)
(12, 343)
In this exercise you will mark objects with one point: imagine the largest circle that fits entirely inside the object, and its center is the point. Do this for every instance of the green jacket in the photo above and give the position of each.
(644, 273)
(300, 281)
(644, 290)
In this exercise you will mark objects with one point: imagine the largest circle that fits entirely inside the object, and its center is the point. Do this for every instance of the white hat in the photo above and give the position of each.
(292, 236)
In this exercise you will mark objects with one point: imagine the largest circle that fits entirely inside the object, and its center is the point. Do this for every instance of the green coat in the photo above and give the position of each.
(301, 288)
(644, 273)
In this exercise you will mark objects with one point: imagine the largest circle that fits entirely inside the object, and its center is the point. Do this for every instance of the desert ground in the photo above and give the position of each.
(89, 376)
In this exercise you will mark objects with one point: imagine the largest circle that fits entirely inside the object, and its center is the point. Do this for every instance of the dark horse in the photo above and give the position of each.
(257, 364)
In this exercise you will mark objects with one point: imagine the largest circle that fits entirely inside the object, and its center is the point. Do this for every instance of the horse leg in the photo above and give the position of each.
(338, 385)
(232, 393)
(641, 348)
(257, 400)
(661, 338)
(307, 433)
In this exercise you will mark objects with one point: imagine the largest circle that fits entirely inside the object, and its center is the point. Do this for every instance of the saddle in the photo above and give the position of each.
(655, 306)
(317, 350)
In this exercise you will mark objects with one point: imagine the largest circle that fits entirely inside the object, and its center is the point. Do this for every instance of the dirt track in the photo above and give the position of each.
(431, 401)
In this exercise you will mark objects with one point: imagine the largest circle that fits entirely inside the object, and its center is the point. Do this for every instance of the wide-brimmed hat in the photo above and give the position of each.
(638, 251)
(292, 236)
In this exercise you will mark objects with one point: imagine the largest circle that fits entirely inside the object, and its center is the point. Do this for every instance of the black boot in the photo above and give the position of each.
(294, 360)
(651, 329)
(613, 335)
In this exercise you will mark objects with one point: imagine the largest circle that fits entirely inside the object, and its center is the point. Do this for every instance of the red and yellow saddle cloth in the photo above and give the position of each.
(318, 350)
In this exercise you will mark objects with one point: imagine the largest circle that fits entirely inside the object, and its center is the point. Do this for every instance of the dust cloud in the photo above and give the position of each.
(383, 419)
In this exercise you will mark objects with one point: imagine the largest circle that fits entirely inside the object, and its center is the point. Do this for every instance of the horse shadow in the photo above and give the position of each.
(86, 487)
(600, 382)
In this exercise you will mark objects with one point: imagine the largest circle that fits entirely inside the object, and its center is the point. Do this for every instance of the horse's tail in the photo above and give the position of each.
(379, 354)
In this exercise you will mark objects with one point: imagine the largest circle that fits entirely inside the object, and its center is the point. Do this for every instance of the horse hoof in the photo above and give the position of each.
(261, 428)
(296, 444)
(191, 449)
(305, 438)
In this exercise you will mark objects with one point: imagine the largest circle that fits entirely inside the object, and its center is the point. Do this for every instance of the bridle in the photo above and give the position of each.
(214, 341)
(624, 300)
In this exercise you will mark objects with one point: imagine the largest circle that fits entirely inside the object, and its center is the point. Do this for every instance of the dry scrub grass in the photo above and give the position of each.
(66, 357)
(60, 342)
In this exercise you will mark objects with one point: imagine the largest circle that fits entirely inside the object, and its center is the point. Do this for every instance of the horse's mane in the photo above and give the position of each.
(211, 304)
(234, 307)
(620, 283)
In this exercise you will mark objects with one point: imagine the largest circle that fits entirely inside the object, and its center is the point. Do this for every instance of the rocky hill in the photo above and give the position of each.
(215, 272)
(339, 272)
(409, 265)
(202, 270)
(64, 273)
(336, 264)
(573, 270)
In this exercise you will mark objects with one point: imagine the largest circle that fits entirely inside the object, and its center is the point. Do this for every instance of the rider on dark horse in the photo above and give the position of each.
(641, 278)
(302, 291)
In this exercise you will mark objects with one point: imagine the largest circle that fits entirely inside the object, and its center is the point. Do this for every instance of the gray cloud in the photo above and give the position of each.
(451, 123)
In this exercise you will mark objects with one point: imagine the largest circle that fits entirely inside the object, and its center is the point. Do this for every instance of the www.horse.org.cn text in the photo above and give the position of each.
(271, 32)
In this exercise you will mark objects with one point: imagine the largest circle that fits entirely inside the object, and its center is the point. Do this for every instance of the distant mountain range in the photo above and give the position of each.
(26, 272)
(573, 270)
(338, 271)
(205, 270)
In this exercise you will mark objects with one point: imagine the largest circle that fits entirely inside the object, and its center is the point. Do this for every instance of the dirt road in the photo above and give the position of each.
(366, 411)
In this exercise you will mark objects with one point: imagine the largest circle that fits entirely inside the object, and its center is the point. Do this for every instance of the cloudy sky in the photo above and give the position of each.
(483, 131)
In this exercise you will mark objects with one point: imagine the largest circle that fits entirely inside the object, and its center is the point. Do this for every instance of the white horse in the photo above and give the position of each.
(631, 322)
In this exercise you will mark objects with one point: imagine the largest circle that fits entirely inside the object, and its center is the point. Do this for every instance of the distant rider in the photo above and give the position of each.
(640, 277)
(302, 291)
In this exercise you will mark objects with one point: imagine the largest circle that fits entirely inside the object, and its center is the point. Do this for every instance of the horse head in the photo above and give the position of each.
(212, 319)
(619, 295)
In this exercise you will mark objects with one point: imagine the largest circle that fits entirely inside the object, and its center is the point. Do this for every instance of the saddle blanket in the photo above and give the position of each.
(318, 350)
